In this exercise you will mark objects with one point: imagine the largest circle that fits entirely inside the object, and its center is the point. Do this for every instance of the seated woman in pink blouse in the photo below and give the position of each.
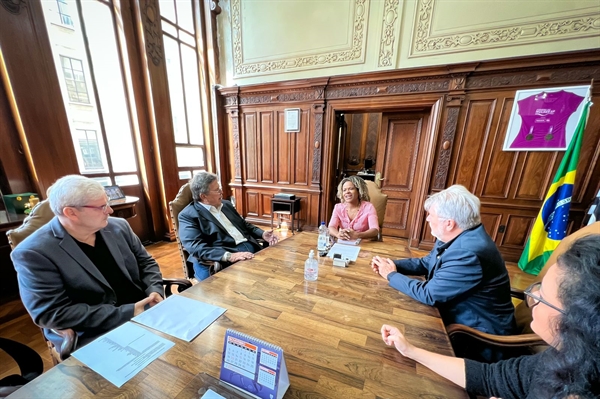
(355, 217)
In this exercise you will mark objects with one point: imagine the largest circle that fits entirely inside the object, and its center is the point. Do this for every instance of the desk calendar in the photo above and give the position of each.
(254, 366)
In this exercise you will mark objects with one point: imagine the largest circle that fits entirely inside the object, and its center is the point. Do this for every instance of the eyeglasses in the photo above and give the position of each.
(102, 208)
(532, 297)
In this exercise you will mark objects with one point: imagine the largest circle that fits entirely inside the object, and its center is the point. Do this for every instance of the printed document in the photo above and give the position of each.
(123, 352)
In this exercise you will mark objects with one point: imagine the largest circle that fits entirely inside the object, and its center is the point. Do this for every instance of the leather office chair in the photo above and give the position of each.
(39, 216)
(29, 361)
(379, 201)
(526, 341)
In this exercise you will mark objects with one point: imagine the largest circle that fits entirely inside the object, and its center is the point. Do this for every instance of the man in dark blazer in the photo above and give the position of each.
(211, 230)
(84, 270)
(465, 275)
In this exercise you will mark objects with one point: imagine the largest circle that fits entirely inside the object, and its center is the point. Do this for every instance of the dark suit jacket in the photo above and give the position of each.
(205, 238)
(61, 287)
(466, 279)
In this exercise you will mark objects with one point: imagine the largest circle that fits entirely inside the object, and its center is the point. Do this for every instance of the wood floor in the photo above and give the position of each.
(23, 330)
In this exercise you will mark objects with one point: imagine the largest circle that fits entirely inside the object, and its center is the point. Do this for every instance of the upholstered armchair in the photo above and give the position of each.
(379, 201)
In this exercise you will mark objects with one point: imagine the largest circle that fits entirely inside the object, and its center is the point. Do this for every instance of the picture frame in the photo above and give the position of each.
(545, 119)
(114, 193)
(292, 120)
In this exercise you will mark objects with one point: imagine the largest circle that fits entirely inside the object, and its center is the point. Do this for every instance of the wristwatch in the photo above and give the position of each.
(227, 256)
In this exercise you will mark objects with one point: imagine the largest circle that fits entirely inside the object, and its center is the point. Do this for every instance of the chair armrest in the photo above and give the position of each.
(507, 341)
(182, 285)
(69, 342)
(517, 293)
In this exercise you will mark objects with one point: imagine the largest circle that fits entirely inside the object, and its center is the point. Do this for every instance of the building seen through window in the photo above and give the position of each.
(89, 64)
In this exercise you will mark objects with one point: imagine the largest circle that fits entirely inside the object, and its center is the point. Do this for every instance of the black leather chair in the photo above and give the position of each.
(29, 361)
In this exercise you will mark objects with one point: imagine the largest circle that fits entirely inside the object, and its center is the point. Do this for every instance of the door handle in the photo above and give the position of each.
(378, 179)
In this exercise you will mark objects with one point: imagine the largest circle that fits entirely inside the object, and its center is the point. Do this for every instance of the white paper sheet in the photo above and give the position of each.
(181, 317)
(210, 394)
(349, 252)
(123, 352)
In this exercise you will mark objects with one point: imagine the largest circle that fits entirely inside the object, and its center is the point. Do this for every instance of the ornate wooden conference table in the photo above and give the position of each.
(329, 330)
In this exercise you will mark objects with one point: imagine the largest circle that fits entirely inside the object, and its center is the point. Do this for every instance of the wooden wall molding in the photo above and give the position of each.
(550, 29)
(441, 173)
(354, 54)
(388, 87)
(520, 78)
(318, 110)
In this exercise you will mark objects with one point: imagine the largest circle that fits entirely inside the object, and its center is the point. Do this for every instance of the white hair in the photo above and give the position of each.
(458, 204)
(75, 191)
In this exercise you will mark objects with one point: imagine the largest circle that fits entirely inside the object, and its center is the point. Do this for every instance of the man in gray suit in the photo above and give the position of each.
(84, 270)
(211, 230)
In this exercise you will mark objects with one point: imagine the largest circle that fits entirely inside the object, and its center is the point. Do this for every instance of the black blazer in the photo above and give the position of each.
(205, 238)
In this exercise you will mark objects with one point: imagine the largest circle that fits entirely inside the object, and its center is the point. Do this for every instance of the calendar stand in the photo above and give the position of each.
(254, 366)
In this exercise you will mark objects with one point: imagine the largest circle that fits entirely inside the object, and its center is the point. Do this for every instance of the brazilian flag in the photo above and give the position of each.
(551, 224)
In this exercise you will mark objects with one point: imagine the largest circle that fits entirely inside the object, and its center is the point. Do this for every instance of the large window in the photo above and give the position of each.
(94, 91)
(63, 12)
(179, 37)
(75, 79)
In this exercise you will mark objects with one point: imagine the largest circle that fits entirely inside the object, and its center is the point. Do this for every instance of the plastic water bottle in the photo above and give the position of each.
(323, 242)
(311, 267)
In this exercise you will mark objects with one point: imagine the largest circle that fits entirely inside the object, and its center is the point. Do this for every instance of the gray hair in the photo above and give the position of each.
(458, 204)
(359, 183)
(199, 184)
(75, 191)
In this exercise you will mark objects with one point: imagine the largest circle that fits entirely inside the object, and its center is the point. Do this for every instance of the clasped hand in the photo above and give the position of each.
(347, 234)
(383, 266)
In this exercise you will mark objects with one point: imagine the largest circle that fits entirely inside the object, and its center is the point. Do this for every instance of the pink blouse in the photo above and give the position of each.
(365, 219)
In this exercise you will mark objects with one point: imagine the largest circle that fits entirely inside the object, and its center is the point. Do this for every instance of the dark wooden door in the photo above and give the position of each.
(398, 155)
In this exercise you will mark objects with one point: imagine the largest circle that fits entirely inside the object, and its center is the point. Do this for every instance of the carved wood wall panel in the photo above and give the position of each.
(396, 213)
(517, 230)
(251, 147)
(266, 139)
(500, 169)
(538, 169)
(253, 203)
(466, 141)
(491, 222)
(469, 149)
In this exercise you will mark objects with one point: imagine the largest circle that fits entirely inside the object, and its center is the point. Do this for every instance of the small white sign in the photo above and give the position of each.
(292, 120)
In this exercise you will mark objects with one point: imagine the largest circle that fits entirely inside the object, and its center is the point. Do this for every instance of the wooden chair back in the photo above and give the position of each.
(379, 201)
(182, 199)
(39, 216)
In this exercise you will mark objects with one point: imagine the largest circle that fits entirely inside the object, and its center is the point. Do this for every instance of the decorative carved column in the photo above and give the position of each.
(318, 111)
(454, 100)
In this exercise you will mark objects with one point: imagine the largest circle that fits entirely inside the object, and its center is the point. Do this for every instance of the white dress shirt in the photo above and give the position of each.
(231, 229)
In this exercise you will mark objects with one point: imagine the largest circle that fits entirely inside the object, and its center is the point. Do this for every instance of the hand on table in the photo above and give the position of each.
(238, 256)
(150, 301)
(391, 335)
(383, 266)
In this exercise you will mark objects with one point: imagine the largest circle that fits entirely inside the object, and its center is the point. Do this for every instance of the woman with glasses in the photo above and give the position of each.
(566, 314)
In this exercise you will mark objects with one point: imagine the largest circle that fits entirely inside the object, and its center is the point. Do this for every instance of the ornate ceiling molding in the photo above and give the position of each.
(424, 43)
(388, 33)
(353, 55)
